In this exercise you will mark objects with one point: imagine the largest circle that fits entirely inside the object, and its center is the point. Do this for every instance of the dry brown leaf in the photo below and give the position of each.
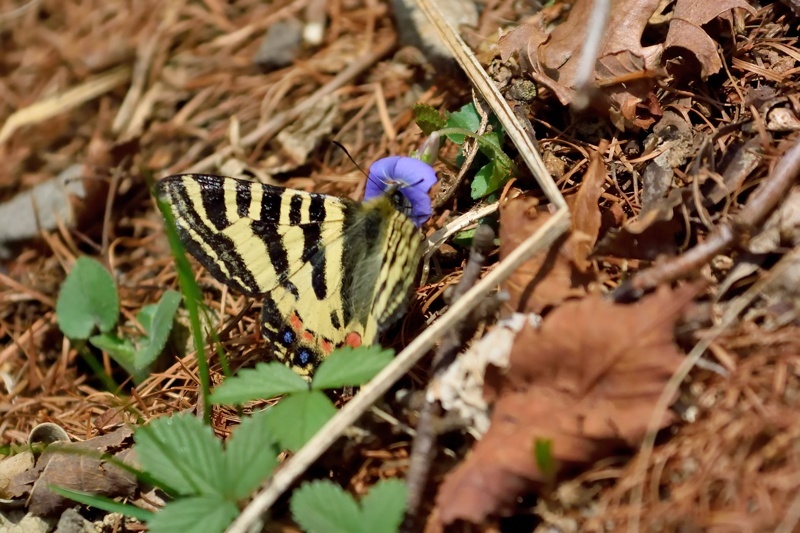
(587, 380)
(648, 235)
(554, 59)
(586, 212)
(549, 279)
(76, 466)
(546, 279)
(687, 40)
(625, 70)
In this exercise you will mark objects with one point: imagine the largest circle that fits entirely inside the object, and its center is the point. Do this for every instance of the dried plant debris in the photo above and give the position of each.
(625, 71)
(460, 387)
(78, 466)
(586, 381)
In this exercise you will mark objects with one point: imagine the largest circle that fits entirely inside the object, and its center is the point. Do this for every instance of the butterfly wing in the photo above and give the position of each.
(332, 271)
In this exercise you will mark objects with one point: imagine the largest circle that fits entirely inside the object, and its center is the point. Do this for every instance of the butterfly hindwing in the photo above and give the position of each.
(332, 271)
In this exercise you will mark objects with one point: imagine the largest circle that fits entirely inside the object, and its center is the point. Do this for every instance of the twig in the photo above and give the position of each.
(441, 235)
(327, 435)
(422, 451)
(584, 76)
(492, 96)
(768, 195)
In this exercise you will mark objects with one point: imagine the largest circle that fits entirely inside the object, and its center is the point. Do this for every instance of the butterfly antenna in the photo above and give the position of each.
(350, 157)
(337, 143)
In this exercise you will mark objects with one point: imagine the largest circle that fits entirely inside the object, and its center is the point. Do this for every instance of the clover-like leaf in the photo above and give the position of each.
(88, 300)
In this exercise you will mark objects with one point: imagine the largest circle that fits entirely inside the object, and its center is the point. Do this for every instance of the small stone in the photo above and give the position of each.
(280, 45)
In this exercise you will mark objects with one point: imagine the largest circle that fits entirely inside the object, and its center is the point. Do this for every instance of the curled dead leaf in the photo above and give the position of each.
(587, 380)
(687, 46)
(76, 465)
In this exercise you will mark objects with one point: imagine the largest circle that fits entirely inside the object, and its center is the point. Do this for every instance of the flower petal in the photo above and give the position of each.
(414, 177)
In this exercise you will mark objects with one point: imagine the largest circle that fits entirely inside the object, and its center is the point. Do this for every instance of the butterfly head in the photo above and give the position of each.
(407, 181)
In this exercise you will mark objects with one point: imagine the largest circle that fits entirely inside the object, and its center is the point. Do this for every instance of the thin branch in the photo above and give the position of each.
(766, 198)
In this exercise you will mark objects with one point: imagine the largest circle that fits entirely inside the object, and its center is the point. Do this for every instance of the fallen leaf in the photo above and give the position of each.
(76, 465)
(585, 211)
(547, 278)
(648, 235)
(587, 380)
(742, 163)
(688, 49)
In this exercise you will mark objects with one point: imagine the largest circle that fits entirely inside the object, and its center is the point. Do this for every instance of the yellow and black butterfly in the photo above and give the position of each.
(332, 271)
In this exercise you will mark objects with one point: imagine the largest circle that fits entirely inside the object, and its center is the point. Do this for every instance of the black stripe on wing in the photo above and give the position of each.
(189, 221)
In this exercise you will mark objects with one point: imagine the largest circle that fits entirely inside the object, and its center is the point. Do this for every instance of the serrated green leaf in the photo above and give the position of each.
(428, 118)
(266, 380)
(88, 300)
(350, 367)
(465, 118)
(250, 456)
(323, 507)
(158, 328)
(383, 507)
(208, 514)
(181, 452)
(296, 418)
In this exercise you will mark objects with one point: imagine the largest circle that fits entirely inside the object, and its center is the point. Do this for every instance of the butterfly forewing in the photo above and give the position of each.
(332, 271)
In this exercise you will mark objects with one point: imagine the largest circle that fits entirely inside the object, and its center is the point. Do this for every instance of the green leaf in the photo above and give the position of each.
(158, 327)
(428, 118)
(465, 118)
(121, 350)
(323, 507)
(250, 456)
(182, 453)
(296, 418)
(103, 503)
(383, 507)
(481, 181)
(145, 317)
(490, 178)
(88, 299)
(266, 380)
(208, 514)
(349, 367)
(543, 453)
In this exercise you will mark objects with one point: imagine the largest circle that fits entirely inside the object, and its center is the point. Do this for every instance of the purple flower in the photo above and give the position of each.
(414, 178)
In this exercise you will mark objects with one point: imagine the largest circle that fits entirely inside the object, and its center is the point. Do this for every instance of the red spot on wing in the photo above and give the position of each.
(353, 339)
(326, 346)
(296, 322)
(308, 336)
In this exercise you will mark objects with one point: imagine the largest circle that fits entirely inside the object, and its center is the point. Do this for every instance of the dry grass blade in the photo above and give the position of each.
(481, 81)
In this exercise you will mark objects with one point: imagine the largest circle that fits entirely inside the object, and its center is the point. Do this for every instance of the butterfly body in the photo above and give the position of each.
(331, 271)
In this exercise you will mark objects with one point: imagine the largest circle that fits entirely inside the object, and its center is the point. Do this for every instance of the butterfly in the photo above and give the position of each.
(331, 271)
